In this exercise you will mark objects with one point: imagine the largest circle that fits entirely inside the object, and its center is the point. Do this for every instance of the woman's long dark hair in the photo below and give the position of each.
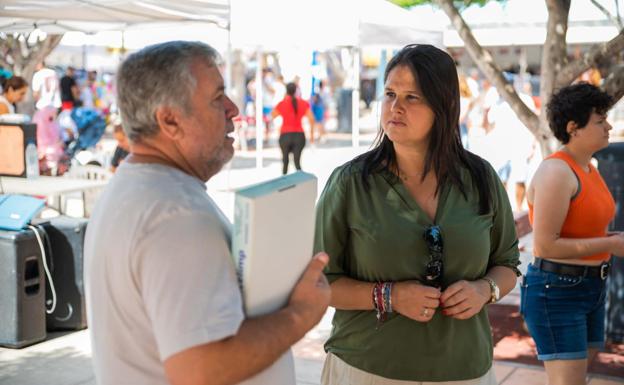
(436, 74)
(291, 90)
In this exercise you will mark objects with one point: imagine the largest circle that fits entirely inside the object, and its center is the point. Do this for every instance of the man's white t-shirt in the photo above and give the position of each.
(158, 273)
(46, 82)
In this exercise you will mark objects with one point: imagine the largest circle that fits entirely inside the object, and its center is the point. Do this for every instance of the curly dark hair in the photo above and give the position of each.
(575, 103)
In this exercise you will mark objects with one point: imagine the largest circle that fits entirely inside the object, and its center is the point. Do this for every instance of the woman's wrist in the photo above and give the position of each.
(395, 297)
(484, 290)
(381, 296)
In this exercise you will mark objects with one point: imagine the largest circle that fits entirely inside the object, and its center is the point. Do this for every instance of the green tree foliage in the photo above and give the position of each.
(459, 4)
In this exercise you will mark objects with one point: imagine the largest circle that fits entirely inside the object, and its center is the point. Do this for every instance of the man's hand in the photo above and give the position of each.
(311, 295)
(415, 300)
(463, 299)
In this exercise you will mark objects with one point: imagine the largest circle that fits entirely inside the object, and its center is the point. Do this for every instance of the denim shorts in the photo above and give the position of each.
(564, 314)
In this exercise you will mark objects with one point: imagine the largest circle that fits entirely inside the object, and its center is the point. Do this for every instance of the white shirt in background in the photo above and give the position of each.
(46, 83)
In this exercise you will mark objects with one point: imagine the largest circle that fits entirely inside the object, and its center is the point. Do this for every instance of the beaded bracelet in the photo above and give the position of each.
(387, 291)
(382, 300)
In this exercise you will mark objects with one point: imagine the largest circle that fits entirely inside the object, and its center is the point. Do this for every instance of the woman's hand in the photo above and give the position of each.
(463, 299)
(415, 300)
(617, 242)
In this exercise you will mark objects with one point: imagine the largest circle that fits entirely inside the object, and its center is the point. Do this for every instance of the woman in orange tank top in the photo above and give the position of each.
(570, 208)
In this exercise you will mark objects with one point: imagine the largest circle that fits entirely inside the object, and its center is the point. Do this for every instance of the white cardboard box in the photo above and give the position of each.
(272, 239)
(272, 244)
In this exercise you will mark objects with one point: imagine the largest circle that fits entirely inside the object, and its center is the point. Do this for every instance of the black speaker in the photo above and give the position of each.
(65, 260)
(22, 290)
(611, 167)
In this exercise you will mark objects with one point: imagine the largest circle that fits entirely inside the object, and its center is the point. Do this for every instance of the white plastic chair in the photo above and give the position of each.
(82, 203)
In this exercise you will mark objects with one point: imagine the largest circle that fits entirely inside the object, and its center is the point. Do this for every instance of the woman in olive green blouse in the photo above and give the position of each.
(421, 237)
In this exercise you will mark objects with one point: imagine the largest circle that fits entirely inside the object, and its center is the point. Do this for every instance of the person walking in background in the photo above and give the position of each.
(45, 86)
(524, 149)
(279, 89)
(466, 103)
(319, 109)
(420, 235)
(570, 207)
(90, 94)
(49, 144)
(70, 92)
(14, 90)
(163, 301)
(268, 92)
(292, 137)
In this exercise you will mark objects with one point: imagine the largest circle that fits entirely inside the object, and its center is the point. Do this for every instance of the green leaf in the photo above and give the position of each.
(459, 4)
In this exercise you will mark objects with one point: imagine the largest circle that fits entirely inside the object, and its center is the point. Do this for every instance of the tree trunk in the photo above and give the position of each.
(593, 57)
(25, 58)
(492, 72)
(614, 83)
(555, 71)
(554, 58)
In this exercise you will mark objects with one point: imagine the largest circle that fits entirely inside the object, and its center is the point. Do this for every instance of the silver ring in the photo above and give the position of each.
(425, 312)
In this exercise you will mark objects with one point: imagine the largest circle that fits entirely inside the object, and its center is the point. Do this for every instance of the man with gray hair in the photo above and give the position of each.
(162, 298)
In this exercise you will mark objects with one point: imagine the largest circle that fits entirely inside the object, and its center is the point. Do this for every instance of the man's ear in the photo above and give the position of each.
(571, 127)
(169, 121)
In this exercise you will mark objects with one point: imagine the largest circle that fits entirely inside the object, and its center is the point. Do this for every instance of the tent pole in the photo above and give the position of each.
(355, 106)
(381, 69)
(228, 53)
(258, 102)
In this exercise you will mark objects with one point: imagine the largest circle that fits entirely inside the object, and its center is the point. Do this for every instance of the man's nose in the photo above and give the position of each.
(231, 108)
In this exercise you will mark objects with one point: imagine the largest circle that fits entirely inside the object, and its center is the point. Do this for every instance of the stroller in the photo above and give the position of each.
(85, 126)
(90, 126)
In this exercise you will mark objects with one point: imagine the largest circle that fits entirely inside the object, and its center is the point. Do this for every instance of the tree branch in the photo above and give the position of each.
(486, 64)
(4, 54)
(40, 51)
(594, 56)
(614, 83)
(4, 63)
(554, 53)
(554, 58)
(608, 14)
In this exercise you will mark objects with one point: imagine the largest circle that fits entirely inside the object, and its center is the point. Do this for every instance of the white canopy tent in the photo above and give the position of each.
(267, 25)
(92, 15)
(275, 24)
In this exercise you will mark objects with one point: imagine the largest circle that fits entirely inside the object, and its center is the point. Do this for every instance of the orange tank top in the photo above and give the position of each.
(591, 210)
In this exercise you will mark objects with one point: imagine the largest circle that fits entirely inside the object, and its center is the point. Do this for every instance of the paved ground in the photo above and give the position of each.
(65, 358)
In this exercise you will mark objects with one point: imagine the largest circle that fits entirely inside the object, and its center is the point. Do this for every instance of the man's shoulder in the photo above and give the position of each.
(145, 183)
(145, 199)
